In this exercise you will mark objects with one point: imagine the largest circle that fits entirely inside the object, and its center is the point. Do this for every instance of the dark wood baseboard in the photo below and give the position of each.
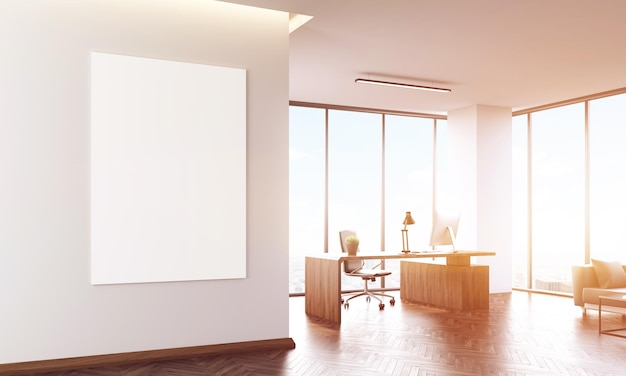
(27, 368)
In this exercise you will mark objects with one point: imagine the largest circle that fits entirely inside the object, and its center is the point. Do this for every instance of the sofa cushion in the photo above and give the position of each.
(610, 274)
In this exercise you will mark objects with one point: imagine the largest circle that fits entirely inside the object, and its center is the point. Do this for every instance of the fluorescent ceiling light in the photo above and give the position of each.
(398, 84)
(296, 20)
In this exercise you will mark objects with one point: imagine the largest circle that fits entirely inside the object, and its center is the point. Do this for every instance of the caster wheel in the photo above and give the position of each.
(381, 306)
(346, 306)
(368, 299)
(341, 301)
(392, 302)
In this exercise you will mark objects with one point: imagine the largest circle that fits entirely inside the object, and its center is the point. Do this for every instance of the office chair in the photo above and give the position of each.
(356, 268)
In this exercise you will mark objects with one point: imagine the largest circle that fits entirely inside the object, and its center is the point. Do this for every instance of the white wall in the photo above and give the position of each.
(49, 307)
(481, 155)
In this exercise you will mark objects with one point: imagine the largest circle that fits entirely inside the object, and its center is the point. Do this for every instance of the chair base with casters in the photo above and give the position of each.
(369, 275)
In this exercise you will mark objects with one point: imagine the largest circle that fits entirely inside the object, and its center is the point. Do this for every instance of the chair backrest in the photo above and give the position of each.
(349, 266)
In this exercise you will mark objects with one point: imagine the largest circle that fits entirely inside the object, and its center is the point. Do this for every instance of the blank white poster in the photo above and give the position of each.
(168, 171)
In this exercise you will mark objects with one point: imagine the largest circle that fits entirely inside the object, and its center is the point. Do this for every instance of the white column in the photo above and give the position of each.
(480, 147)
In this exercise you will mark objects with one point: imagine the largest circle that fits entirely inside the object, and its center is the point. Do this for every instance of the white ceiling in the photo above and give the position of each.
(509, 53)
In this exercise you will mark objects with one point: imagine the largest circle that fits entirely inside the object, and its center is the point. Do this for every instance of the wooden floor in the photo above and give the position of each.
(521, 334)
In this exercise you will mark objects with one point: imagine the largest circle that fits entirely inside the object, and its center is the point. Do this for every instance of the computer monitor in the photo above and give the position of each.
(445, 225)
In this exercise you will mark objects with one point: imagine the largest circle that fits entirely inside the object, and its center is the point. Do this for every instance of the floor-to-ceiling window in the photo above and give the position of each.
(409, 164)
(360, 171)
(568, 184)
(354, 181)
(306, 189)
(558, 194)
(520, 209)
(354, 177)
(607, 140)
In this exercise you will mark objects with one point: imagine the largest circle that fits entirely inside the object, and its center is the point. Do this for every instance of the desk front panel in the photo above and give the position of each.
(462, 287)
(322, 284)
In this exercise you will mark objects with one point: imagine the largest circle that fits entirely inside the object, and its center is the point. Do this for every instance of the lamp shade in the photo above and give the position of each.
(408, 220)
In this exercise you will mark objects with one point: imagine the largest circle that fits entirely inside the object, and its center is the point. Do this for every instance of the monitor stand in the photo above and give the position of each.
(452, 238)
(452, 241)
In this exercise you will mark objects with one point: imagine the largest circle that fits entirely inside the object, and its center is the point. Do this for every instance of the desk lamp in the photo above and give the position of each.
(408, 220)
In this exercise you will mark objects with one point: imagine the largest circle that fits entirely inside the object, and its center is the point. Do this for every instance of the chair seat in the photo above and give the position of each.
(370, 273)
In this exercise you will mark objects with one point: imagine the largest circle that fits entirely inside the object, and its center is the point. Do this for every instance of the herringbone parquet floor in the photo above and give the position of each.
(521, 334)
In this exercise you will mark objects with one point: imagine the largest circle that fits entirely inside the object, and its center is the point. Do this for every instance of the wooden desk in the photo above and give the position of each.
(463, 285)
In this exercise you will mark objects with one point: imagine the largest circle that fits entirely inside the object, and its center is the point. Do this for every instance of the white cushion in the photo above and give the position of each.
(610, 273)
